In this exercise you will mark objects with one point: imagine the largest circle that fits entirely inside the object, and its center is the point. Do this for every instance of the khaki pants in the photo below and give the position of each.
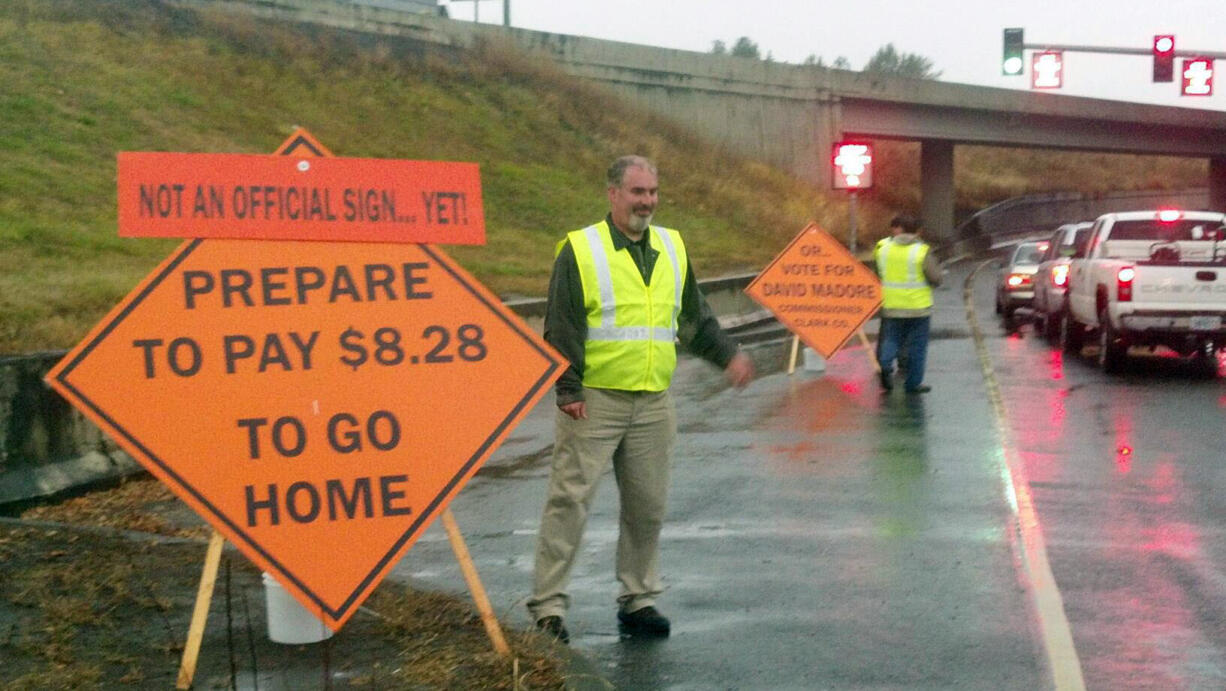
(634, 430)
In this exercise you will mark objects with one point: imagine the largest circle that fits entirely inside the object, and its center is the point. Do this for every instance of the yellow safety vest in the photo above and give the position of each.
(901, 268)
(631, 326)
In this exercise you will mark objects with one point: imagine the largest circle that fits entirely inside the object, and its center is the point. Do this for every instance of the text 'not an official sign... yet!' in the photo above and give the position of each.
(818, 290)
(299, 198)
(319, 403)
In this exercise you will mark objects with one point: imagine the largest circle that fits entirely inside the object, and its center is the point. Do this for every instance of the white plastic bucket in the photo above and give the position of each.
(288, 621)
(814, 362)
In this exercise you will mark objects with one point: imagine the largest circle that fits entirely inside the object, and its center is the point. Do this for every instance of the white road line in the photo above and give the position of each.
(1045, 599)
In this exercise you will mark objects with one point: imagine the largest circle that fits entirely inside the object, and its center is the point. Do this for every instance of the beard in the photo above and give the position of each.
(638, 223)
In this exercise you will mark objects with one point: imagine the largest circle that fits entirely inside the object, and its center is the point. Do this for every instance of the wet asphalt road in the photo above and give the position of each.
(824, 536)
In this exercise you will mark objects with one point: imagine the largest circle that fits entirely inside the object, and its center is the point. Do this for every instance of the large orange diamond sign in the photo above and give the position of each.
(319, 403)
(818, 290)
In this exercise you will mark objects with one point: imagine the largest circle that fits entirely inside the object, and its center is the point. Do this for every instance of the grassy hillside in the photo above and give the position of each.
(84, 79)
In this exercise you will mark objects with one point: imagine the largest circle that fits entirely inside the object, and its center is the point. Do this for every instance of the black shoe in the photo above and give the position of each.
(887, 381)
(553, 627)
(922, 388)
(646, 621)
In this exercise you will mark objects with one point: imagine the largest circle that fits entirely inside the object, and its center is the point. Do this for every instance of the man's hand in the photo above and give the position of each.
(739, 370)
(576, 410)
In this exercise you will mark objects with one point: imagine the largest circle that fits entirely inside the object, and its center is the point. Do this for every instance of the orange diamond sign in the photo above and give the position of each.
(818, 290)
(318, 403)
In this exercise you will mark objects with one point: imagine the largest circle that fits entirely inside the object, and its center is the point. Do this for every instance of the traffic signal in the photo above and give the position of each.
(1196, 77)
(853, 165)
(1047, 70)
(1164, 58)
(1012, 64)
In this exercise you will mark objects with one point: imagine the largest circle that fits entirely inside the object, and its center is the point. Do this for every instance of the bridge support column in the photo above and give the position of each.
(1217, 184)
(937, 189)
(829, 130)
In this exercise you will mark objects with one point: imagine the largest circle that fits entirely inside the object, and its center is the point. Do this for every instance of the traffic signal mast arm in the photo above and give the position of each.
(1122, 51)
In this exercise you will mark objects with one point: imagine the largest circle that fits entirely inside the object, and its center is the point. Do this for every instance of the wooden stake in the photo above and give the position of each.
(204, 596)
(792, 357)
(474, 584)
(868, 348)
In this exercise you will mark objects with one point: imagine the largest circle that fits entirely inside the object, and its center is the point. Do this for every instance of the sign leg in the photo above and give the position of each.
(868, 348)
(792, 357)
(474, 584)
(195, 632)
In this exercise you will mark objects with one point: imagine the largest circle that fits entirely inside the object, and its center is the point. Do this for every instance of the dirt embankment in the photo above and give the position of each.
(98, 591)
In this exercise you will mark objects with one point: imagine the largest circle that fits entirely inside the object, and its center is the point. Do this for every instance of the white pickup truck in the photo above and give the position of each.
(1150, 278)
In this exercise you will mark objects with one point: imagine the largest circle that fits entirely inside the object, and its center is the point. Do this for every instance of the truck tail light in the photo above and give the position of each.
(1016, 281)
(1059, 275)
(1123, 283)
(1169, 215)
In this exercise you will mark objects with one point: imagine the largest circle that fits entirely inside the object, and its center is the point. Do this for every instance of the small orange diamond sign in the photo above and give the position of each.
(818, 290)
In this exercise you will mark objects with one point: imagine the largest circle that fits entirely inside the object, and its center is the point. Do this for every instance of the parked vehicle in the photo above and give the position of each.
(1150, 278)
(1015, 282)
(1051, 278)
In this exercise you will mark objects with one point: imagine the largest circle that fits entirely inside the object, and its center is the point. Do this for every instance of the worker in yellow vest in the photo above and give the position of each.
(622, 292)
(908, 272)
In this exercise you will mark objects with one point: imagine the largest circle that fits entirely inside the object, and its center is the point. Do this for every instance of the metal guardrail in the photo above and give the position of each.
(1047, 211)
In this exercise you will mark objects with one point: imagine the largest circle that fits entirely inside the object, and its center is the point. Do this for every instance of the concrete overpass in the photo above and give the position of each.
(790, 115)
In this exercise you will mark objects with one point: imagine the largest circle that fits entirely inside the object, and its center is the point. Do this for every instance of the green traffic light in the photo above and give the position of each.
(1013, 63)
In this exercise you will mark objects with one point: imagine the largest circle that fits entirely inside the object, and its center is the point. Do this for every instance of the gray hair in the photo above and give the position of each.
(617, 171)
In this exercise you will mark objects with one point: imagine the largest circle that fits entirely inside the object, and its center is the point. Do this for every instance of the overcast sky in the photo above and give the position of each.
(962, 38)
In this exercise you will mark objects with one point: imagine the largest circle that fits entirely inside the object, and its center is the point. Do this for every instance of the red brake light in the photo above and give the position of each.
(1169, 215)
(1059, 275)
(1017, 280)
(1123, 283)
(1043, 246)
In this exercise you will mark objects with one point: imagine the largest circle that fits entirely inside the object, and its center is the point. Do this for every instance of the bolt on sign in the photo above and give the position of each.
(319, 403)
(818, 290)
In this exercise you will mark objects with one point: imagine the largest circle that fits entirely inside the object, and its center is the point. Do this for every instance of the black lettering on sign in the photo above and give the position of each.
(369, 205)
(446, 208)
(305, 503)
(238, 347)
(345, 437)
(288, 435)
(183, 356)
(209, 202)
(161, 201)
(276, 286)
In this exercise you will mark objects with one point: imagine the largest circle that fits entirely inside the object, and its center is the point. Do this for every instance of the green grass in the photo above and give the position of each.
(85, 79)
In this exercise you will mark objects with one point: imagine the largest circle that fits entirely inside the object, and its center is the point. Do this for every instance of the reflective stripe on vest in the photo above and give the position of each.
(630, 342)
(901, 267)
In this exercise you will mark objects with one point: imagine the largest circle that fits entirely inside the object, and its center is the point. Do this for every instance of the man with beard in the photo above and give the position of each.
(621, 293)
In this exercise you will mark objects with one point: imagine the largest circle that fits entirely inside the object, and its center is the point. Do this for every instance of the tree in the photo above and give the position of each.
(887, 60)
(841, 63)
(719, 48)
(745, 48)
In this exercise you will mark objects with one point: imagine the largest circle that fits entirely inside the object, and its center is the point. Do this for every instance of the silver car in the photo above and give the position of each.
(1051, 280)
(1015, 283)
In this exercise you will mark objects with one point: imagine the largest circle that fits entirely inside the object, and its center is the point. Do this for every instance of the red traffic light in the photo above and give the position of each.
(1164, 58)
(853, 165)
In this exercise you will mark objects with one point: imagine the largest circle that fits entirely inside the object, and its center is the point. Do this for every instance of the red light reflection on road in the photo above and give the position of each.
(1152, 613)
(1123, 458)
(1055, 364)
(1122, 423)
